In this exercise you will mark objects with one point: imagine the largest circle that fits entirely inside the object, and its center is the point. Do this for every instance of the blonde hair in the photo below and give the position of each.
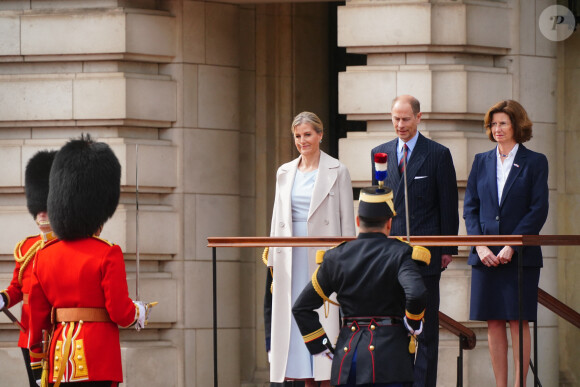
(308, 118)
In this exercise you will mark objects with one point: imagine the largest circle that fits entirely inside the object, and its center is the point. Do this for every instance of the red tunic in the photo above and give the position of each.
(86, 273)
(20, 287)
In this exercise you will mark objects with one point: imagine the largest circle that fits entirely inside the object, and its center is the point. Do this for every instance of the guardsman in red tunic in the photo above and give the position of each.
(79, 288)
(382, 299)
(36, 187)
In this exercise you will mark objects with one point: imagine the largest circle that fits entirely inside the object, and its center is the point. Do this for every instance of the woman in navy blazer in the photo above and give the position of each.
(506, 194)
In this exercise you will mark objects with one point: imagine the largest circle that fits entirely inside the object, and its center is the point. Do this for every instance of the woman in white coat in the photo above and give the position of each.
(313, 198)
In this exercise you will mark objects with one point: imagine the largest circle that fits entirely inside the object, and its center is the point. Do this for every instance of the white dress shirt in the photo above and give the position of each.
(503, 169)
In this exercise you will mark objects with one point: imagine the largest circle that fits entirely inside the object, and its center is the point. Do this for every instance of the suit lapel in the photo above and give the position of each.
(327, 175)
(285, 182)
(518, 165)
(393, 178)
(491, 168)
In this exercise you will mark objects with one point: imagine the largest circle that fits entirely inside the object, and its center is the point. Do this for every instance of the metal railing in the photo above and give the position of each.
(516, 241)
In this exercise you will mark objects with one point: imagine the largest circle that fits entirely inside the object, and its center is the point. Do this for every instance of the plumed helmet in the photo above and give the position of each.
(85, 184)
(36, 181)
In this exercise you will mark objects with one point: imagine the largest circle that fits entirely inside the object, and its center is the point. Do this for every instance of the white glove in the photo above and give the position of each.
(1, 302)
(140, 315)
(414, 332)
(325, 353)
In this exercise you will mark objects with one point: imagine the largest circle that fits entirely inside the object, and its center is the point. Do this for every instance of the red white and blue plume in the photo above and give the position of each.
(381, 168)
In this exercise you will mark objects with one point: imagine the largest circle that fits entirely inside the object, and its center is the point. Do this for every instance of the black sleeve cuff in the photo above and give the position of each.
(316, 346)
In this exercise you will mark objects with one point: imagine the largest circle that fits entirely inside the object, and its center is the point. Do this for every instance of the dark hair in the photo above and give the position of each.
(521, 123)
(414, 102)
(372, 223)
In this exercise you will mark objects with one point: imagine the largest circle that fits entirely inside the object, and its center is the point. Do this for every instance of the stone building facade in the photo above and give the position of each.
(196, 99)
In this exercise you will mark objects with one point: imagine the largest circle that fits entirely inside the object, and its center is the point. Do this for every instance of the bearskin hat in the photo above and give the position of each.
(85, 184)
(36, 181)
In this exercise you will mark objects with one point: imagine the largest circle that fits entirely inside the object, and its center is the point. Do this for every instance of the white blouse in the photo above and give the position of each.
(503, 169)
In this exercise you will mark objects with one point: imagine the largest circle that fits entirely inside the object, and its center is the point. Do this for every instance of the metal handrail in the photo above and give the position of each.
(466, 335)
(518, 241)
(559, 308)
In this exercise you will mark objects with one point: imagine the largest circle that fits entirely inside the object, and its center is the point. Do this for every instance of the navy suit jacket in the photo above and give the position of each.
(432, 189)
(524, 203)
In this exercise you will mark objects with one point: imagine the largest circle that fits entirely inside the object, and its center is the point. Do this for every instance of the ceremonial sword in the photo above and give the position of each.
(149, 305)
(13, 319)
(406, 199)
(137, 260)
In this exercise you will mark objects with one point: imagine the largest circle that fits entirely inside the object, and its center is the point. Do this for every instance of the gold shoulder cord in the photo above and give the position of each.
(320, 292)
(25, 260)
(265, 260)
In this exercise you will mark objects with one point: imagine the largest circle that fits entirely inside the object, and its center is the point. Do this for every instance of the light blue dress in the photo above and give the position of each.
(299, 364)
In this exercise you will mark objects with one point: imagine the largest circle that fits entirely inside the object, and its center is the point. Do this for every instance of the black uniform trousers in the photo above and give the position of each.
(425, 372)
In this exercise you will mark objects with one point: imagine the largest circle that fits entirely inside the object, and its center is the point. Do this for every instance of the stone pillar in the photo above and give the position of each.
(568, 175)
(458, 59)
(93, 67)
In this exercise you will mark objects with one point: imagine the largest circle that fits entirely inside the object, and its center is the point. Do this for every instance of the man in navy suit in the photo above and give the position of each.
(433, 210)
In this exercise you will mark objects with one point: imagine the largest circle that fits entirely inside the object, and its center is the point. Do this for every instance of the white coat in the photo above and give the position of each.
(331, 214)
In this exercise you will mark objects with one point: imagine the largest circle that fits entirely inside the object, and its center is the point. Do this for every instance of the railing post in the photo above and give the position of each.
(536, 376)
(520, 309)
(215, 357)
(460, 363)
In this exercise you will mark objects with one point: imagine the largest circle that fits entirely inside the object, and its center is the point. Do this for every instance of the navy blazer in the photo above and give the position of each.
(524, 203)
(432, 189)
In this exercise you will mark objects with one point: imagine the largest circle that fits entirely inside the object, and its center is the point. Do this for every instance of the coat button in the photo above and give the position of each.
(371, 347)
(81, 368)
(345, 349)
(281, 224)
(353, 328)
(326, 222)
(497, 218)
(79, 346)
(372, 327)
(331, 193)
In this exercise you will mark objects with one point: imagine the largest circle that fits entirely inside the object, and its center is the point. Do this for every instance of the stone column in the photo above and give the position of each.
(68, 68)
(568, 174)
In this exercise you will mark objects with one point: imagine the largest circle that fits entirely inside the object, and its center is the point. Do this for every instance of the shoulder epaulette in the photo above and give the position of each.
(265, 255)
(103, 240)
(320, 256)
(320, 253)
(420, 255)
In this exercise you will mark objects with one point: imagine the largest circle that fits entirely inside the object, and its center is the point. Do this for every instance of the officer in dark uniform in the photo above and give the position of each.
(382, 299)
